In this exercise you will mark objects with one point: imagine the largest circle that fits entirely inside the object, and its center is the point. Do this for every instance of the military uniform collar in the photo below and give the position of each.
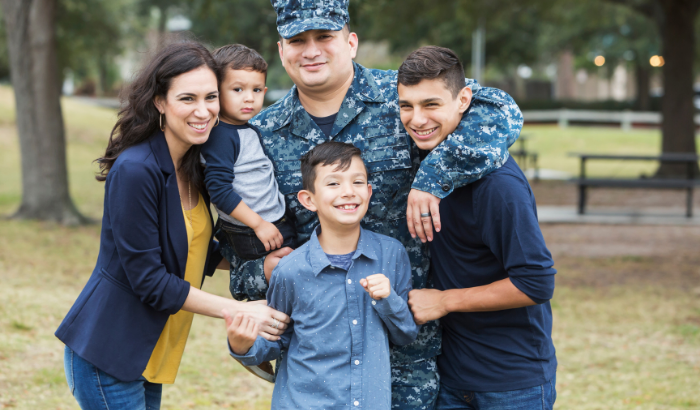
(363, 89)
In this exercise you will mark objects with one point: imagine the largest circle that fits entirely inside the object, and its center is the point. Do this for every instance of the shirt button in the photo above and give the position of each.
(445, 187)
(354, 322)
(356, 403)
(374, 302)
(349, 281)
(357, 362)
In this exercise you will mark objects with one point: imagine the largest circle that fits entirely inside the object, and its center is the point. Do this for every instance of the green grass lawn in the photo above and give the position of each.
(553, 145)
(618, 348)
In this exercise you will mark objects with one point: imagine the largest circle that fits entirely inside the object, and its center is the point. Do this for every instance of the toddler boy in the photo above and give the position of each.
(345, 291)
(492, 271)
(239, 177)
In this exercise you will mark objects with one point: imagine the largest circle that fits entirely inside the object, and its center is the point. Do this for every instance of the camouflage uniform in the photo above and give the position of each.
(369, 119)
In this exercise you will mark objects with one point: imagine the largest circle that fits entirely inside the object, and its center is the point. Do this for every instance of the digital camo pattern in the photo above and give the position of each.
(415, 385)
(297, 16)
(369, 119)
(478, 145)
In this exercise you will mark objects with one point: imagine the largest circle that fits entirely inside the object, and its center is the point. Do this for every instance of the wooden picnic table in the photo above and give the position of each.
(524, 156)
(687, 183)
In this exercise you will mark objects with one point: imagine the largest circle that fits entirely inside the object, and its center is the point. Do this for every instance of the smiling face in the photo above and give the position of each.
(190, 107)
(340, 198)
(319, 61)
(242, 95)
(430, 112)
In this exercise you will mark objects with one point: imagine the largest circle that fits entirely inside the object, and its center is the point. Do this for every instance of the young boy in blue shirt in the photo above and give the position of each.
(492, 271)
(345, 291)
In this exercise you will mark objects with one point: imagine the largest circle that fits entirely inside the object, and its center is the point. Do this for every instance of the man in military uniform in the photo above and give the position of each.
(337, 99)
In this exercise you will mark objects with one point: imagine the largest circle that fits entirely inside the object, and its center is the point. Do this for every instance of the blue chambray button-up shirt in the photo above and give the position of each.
(338, 342)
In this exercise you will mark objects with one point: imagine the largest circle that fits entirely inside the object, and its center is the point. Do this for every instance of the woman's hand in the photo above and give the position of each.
(271, 323)
(269, 235)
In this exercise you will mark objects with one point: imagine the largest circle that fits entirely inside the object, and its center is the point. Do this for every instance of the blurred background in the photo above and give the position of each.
(612, 78)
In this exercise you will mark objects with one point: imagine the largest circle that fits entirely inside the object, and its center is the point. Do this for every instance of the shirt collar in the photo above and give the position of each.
(363, 88)
(319, 261)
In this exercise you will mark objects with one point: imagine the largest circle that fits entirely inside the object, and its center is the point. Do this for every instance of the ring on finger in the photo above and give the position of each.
(425, 215)
(276, 323)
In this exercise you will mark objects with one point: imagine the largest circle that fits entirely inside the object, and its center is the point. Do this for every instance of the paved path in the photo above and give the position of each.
(617, 216)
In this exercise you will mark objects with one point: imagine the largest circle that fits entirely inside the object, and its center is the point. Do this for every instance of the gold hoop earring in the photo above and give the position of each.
(217, 121)
(160, 121)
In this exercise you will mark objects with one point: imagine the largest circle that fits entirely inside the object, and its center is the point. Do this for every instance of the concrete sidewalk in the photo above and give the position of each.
(617, 216)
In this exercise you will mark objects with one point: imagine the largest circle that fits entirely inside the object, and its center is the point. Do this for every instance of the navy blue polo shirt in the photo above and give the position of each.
(490, 232)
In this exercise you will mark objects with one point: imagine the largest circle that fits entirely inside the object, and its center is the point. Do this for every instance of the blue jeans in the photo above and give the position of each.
(94, 389)
(533, 398)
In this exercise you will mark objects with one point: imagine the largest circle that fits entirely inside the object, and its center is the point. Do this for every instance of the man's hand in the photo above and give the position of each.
(272, 259)
(269, 235)
(378, 286)
(420, 202)
(426, 305)
(242, 331)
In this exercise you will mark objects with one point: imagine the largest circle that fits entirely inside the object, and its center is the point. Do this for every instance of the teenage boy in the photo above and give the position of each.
(493, 273)
(334, 98)
(338, 341)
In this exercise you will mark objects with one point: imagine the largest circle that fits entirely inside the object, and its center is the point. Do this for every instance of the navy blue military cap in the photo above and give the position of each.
(297, 16)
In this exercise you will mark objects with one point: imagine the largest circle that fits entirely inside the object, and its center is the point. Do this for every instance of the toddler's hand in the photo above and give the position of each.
(378, 286)
(269, 235)
(242, 331)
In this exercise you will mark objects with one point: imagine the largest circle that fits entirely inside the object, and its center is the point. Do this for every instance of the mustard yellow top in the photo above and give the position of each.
(165, 359)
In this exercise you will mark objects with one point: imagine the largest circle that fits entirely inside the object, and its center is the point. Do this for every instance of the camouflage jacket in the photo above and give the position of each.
(369, 119)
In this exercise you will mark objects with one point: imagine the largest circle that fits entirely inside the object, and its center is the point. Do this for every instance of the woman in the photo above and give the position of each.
(127, 330)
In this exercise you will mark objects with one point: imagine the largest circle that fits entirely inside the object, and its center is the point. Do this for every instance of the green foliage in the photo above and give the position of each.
(597, 27)
(512, 27)
(89, 34)
(248, 22)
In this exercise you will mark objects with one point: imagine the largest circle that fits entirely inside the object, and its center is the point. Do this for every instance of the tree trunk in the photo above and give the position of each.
(678, 127)
(31, 35)
(642, 75)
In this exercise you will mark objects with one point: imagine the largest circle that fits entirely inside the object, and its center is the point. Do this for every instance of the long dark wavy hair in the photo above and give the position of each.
(138, 119)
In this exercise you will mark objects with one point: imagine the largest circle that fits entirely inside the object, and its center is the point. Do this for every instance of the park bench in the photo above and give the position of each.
(688, 183)
(524, 156)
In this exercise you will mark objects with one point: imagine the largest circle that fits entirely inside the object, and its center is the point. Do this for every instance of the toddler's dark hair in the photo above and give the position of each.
(238, 57)
(327, 153)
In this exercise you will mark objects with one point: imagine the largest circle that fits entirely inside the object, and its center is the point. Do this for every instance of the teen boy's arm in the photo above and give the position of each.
(478, 146)
(391, 304)
(510, 230)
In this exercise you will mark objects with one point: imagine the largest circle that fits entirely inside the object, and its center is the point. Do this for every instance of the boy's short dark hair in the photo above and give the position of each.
(431, 62)
(238, 57)
(327, 153)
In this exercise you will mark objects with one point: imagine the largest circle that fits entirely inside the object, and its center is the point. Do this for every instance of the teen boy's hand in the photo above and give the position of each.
(378, 286)
(426, 305)
(242, 331)
(269, 235)
(420, 202)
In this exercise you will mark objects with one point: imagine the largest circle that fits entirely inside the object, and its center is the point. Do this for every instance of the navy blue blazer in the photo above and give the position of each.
(138, 281)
